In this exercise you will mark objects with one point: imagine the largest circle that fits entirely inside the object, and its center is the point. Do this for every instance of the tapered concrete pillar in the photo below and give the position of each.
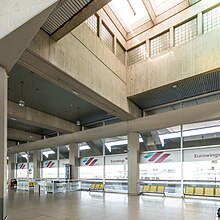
(3, 142)
(11, 167)
(133, 163)
(36, 164)
(73, 158)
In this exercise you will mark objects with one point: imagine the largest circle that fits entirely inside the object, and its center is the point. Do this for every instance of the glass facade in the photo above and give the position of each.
(120, 52)
(211, 19)
(175, 157)
(107, 37)
(137, 54)
(92, 23)
(160, 43)
(185, 31)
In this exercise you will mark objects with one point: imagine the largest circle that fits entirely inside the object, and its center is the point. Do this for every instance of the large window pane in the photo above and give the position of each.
(92, 23)
(107, 37)
(22, 165)
(160, 43)
(49, 163)
(137, 54)
(185, 32)
(211, 19)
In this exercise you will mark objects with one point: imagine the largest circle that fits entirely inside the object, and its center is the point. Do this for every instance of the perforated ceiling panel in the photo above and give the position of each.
(65, 10)
(196, 86)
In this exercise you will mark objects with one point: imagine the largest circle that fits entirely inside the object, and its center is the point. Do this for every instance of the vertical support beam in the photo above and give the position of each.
(172, 37)
(58, 162)
(126, 58)
(199, 23)
(11, 167)
(3, 142)
(114, 45)
(99, 27)
(73, 160)
(28, 165)
(133, 163)
(147, 48)
(36, 164)
(181, 159)
(103, 150)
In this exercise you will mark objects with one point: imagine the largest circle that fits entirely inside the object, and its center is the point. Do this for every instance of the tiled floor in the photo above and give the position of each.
(96, 206)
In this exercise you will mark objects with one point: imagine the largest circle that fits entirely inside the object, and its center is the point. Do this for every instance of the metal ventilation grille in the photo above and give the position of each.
(62, 13)
(187, 89)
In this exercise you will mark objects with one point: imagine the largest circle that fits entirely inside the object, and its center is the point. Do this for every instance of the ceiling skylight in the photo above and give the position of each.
(131, 13)
(160, 6)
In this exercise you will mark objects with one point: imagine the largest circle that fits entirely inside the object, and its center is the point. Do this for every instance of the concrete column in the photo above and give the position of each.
(36, 164)
(11, 167)
(147, 48)
(199, 25)
(171, 37)
(73, 160)
(133, 163)
(3, 142)
(115, 45)
(28, 164)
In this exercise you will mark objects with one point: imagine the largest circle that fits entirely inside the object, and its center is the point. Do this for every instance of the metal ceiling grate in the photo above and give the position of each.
(196, 86)
(64, 11)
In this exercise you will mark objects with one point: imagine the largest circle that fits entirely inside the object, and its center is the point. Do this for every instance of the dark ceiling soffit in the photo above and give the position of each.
(88, 10)
(181, 90)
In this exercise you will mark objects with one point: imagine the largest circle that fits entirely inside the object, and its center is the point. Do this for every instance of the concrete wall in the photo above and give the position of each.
(195, 57)
(82, 56)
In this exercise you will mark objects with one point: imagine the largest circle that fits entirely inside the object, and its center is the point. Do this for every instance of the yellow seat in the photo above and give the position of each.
(97, 186)
(160, 189)
(146, 188)
(217, 191)
(199, 191)
(189, 190)
(153, 188)
(92, 186)
(209, 192)
(101, 186)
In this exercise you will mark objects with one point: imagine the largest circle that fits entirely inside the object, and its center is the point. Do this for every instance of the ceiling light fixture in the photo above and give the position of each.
(21, 101)
(78, 121)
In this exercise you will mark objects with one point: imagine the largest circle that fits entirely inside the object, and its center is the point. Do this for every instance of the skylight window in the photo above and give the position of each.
(131, 13)
(161, 6)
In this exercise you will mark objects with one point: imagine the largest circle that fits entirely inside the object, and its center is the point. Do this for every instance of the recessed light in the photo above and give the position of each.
(75, 92)
(71, 105)
(174, 86)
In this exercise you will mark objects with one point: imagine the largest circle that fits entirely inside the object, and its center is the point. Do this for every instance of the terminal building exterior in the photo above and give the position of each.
(124, 93)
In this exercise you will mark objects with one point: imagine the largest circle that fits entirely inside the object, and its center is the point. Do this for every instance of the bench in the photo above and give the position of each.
(202, 191)
(153, 189)
(97, 187)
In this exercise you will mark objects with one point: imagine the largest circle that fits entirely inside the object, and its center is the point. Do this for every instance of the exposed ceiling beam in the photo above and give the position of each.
(150, 10)
(20, 20)
(19, 135)
(80, 17)
(39, 119)
(200, 113)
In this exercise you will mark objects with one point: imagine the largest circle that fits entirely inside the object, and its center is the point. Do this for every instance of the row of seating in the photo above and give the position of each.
(97, 187)
(202, 191)
(153, 189)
